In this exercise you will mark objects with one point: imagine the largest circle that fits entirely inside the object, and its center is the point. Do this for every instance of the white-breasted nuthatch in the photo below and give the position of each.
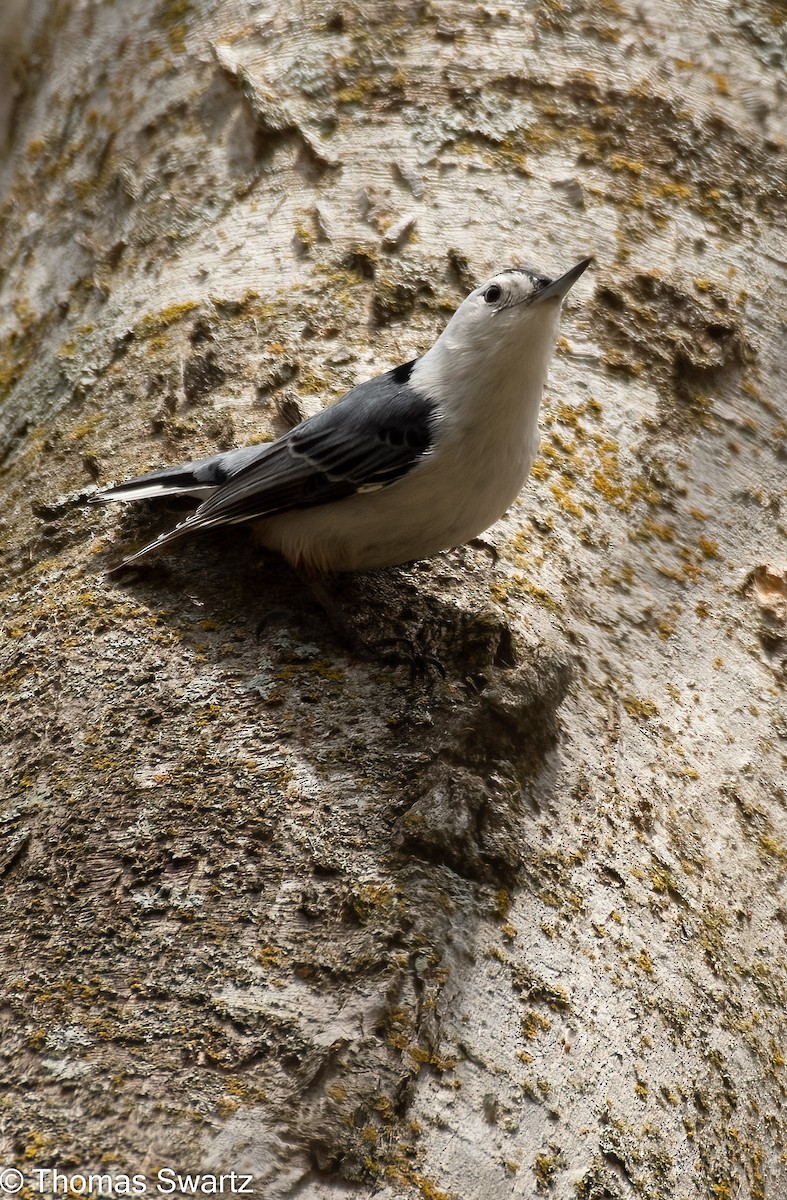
(417, 460)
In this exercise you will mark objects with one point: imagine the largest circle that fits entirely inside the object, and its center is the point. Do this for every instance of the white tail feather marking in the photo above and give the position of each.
(151, 490)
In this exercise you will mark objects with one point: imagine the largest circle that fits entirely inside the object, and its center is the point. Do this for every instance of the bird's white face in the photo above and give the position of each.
(503, 309)
(501, 337)
(514, 302)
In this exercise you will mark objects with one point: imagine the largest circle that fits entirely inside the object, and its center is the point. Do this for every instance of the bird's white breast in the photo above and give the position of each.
(485, 441)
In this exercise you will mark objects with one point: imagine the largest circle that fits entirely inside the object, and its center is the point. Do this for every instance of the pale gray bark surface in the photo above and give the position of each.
(268, 906)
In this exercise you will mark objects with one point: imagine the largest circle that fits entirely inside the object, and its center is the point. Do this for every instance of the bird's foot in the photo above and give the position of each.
(411, 652)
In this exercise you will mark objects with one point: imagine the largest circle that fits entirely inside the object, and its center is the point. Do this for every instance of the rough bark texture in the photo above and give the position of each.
(354, 928)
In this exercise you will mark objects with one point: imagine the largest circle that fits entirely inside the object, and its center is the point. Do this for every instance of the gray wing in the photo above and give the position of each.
(368, 440)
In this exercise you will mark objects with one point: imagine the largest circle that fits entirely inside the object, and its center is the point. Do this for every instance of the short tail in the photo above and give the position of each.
(195, 480)
(179, 482)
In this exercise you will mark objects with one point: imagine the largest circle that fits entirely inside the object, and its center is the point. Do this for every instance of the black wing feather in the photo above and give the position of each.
(370, 438)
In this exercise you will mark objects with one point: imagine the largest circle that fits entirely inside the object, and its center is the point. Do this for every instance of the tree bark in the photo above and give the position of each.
(506, 916)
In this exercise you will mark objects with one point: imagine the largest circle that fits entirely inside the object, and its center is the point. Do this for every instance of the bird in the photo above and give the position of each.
(413, 462)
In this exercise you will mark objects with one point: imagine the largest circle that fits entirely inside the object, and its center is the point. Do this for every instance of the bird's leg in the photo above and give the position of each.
(334, 611)
(411, 651)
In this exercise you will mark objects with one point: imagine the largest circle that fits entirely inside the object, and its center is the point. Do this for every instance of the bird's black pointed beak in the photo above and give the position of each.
(559, 288)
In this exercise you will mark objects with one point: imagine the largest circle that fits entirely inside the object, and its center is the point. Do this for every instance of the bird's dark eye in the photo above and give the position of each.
(493, 293)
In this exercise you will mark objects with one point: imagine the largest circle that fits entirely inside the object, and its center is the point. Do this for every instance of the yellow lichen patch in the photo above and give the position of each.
(721, 81)
(153, 324)
(429, 1058)
(607, 479)
(370, 901)
(404, 1174)
(226, 1106)
(89, 425)
(773, 848)
(667, 623)
(508, 154)
(650, 529)
(619, 362)
(619, 163)
(310, 383)
(534, 1023)
(641, 709)
(269, 956)
(355, 93)
(544, 1169)
(174, 15)
(36, 1142)
(673, 191)
(564, 500)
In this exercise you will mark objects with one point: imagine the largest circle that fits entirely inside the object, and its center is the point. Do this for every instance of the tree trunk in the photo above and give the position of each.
(510, 926)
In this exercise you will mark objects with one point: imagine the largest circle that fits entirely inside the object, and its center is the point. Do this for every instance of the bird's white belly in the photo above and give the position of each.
(436, 506)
